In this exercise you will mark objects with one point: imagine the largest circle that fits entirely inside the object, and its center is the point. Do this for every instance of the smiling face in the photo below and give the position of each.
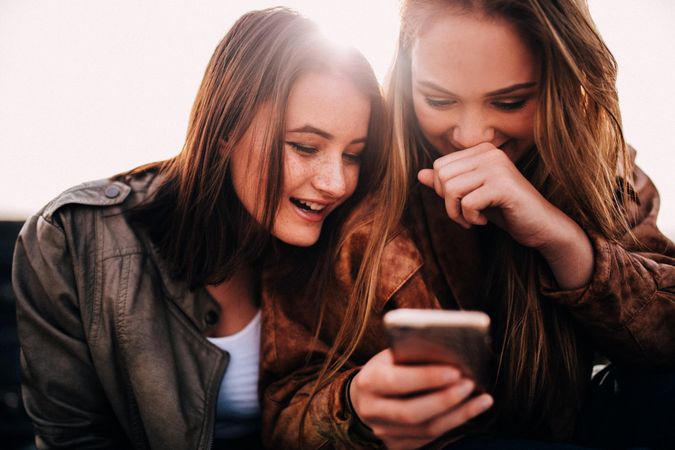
(474, 80)
(326, 130)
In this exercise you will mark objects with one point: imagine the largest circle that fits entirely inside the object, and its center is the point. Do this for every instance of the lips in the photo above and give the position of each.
(309, 206)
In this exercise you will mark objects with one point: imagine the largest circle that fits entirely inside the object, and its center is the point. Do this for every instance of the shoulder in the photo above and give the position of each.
(90, 217)
(400, 259)
(102, 194)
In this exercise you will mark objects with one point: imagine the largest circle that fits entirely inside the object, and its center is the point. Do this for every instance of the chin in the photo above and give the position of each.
(298, 239)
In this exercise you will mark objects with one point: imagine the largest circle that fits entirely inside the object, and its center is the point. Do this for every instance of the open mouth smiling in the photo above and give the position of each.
(308, 206)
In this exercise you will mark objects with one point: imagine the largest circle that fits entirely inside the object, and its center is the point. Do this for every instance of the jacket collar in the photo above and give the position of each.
(198, 305)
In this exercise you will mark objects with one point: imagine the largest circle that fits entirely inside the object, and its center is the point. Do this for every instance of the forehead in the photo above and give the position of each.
(328, 101)
(475, 54)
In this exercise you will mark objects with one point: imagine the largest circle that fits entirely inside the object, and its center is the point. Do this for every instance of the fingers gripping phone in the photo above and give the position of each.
(460, 338)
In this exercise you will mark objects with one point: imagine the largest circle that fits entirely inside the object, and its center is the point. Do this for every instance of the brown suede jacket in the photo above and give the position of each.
(627, 313)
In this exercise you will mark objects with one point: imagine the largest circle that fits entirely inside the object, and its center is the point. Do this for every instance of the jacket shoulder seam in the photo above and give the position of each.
(103, 192)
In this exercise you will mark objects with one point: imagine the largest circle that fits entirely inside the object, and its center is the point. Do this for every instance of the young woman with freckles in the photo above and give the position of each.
(523, 202)
(142, 298)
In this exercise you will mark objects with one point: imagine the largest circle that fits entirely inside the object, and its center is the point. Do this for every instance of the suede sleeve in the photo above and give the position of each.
(60, 387)
(628, 308)
(291, 358)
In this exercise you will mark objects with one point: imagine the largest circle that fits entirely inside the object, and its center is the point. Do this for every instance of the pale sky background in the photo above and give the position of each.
(89, 88)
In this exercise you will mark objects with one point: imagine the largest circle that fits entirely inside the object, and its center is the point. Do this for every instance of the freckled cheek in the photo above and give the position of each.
(296, 171)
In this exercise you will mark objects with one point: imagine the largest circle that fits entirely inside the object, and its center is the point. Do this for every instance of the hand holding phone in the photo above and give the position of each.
(459, 338)
(409, 406)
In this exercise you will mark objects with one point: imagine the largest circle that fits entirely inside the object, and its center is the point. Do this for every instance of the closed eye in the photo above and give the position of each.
(353, 158)
(510, 105)
(302, 148)
(438, 103)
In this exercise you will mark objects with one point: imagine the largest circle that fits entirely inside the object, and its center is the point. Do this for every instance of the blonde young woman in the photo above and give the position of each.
(528, 207)
(139, 297)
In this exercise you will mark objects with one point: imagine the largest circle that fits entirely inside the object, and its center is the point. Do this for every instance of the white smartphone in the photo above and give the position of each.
(426, 336)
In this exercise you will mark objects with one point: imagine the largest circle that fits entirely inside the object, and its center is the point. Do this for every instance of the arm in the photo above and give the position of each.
(628, 307)
(60, 387)
(287, 378)
(622, 294)
(482, 184)
(397, 406)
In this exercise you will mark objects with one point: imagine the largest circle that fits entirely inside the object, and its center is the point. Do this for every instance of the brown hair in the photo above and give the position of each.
(195, 218)
(580, 151)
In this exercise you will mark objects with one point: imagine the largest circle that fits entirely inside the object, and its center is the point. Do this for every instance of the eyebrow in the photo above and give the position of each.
(506, 90)
(324, 134)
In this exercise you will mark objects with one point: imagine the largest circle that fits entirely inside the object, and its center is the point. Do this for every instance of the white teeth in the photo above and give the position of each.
(313, 206)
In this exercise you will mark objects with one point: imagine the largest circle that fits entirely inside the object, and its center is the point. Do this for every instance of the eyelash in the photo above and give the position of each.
(306, 150)
(510, 106)
(434, 103)
(504, 106)
(352, 158)
(302, 148)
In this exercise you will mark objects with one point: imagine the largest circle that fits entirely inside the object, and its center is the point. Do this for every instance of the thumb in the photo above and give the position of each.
(426, 177)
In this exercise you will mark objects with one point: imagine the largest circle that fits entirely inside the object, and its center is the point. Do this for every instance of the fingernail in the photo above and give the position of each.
(485, 402)
(465, 388)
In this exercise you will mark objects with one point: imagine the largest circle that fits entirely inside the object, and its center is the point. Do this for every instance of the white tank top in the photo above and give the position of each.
(238, 410)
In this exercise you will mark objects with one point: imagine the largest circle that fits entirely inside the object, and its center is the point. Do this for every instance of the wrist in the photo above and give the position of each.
(358, 426)
(563, 234)
(569, 254)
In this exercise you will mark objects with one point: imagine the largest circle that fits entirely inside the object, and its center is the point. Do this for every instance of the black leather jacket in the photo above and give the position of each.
(112, 350)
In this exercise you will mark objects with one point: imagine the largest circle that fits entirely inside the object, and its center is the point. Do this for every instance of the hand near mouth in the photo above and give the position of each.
(481, 184)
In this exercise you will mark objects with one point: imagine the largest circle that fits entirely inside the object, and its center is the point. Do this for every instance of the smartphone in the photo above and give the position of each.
(426, 336)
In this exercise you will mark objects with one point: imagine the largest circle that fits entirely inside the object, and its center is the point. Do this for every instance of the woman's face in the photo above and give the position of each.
(473, 81)
(326, 131)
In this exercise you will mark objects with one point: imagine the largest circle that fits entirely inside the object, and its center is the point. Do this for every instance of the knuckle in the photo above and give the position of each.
(444, 172)
(486, 147)
(448, 188)
(438, 163)
(387, 380)
(467, 203)
(361, 380)
(403, 416)
(496, 155)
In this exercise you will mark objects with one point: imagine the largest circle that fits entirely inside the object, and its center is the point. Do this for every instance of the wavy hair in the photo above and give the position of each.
(580, 153)
(195, 218)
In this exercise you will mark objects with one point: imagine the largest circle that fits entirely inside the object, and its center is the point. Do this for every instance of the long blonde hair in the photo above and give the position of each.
(580, 153)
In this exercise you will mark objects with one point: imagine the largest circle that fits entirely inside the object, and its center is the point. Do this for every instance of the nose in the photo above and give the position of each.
(330, 178)
(471, 129)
